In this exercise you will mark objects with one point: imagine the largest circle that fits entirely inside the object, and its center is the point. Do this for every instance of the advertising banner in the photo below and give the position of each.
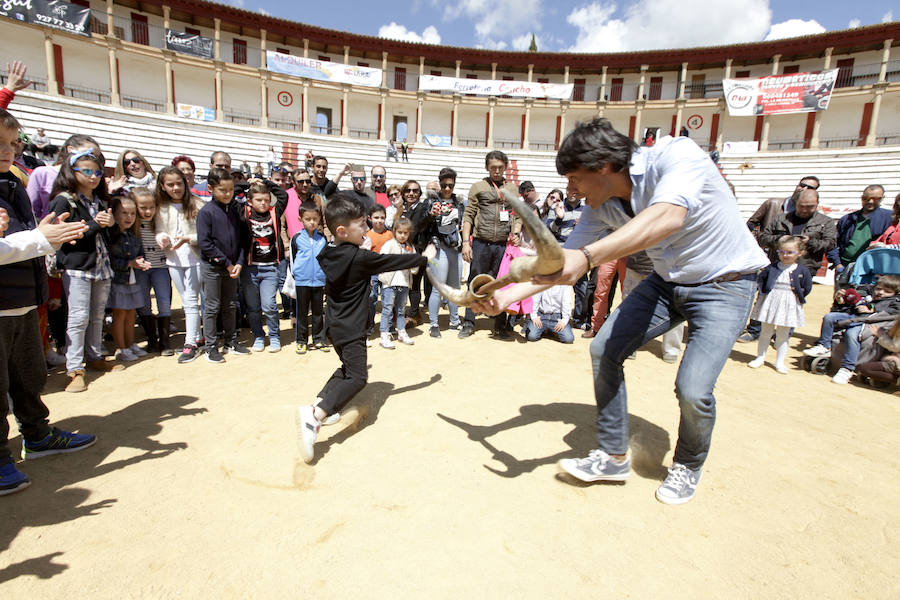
(55, 14)
(199, 113)
(441, 141)
(189, 43)
(487, 87)
(741, 147)
(779, 94)
(322, 70)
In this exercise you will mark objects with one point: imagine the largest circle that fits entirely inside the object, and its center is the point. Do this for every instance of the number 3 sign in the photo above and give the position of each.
(285, 98)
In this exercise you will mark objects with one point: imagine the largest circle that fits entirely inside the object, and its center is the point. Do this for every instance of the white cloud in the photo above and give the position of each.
(655, 24)
(794, 28)
(235, 3)
(522, 42)
(854, 23)
(888, 17)
(263, 11)
(496, 21)
(395, 31)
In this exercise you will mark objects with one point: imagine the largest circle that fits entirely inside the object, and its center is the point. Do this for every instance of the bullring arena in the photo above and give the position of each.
(440, 480)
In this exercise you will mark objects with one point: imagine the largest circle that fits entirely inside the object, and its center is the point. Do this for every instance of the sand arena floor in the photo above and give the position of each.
(441, 482)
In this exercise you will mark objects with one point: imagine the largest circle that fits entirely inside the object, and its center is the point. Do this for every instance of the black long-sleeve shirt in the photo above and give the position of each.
(348, 270)
(220, 233)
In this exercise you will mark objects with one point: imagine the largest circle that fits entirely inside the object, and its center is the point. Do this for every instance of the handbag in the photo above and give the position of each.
(289, 288)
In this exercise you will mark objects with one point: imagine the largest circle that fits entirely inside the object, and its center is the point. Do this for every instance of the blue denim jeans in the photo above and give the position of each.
(160, 281)
(850, 337)
(84, 330)
(393, 302)
(715, 313)
(447, 268)
(548, 322)
(259, 284)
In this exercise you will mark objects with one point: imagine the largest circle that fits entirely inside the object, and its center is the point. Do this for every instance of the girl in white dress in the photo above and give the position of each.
(783, 288)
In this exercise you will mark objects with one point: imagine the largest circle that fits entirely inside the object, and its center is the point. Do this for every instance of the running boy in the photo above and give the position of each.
(348, 269)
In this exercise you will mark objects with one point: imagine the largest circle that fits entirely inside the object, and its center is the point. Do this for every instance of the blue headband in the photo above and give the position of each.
(73, 158)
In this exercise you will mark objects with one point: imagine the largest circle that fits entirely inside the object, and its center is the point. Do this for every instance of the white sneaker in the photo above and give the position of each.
(817, 350)
(756, 363)
(842, 376)
(137, 351)
(55, 359)
(369, 343)
(125, 355)
(307, 430)
(386, 341)
(781, 369)
(332, 419)
(404, 338)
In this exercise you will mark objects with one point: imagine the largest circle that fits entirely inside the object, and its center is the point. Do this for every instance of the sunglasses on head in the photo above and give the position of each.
(358, 178)
(280, 169)
(88, 172)
(134, 160)
(806, 185)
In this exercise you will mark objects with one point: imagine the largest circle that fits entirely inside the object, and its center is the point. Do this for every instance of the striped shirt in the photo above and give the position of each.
(152, 252)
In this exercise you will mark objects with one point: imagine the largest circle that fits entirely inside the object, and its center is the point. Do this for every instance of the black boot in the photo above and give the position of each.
(163, 326)
(149, 324)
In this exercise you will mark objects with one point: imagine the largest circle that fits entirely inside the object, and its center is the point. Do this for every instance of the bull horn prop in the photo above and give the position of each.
(548, 260)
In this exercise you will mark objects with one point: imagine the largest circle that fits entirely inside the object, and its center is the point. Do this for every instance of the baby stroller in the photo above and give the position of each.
(877, 261)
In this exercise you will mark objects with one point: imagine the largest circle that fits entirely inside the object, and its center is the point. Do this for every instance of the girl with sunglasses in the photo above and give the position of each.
(80, 190)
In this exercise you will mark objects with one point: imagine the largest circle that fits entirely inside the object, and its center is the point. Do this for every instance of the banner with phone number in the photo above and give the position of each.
(779, 94)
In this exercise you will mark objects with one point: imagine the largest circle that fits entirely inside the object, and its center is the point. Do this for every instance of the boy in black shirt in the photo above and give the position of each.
(348, 270)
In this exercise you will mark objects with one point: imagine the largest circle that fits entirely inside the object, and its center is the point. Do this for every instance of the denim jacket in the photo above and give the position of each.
(124, 247)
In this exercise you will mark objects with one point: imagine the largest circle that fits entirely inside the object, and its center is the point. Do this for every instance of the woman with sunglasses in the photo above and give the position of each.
(395, 206)
(132, 170)
(447, 240)
(421, 213)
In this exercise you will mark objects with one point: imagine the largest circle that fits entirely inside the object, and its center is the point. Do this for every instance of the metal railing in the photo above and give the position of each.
(887, 140)
(85, 93)
(362, 133)
(839, 142)
(318, 129)
(786, 144)
(470, 142)
(241, 118)
(286, 125)
(507, 143)
(144, 103)
(541, 145)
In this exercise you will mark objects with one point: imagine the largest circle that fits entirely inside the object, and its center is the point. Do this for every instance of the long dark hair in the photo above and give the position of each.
(66, 181)
(188, 205)
(78, 140)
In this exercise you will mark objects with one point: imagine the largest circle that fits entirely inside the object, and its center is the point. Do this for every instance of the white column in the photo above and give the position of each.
(562, 120)
(384, 56)
(817, 123)
(304, 128)
(681, 84)
(220, 107)
(346, 55)
(728, 62)
(458, 65)
(529, 102)
(566, 74)
(110, 19)
(602, 95)
(52, 84)
(382, 127)
(420, 106)
(490, 137)
(345, 110)
(218, 38)
(530, 72)
(642, 82)
(305, 48)
(493, 70)
(115, 97)
(170, 87)
(166, 14)
(421, 66)
(455, 127)
(263, 100)
(263, 61)
(879, 93)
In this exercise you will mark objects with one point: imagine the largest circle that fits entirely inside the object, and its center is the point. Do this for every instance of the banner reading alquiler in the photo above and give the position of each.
(322, 70)
(55, 14)
(493, 87)
(779, 94)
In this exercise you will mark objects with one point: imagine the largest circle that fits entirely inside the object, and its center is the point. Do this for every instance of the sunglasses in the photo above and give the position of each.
(280, 169)
(394, 194)
(134, 160)
(806, 185)
(414, 191)
(88, 172)
(303, 181)
(448, 186)
(358, 178)
(376, 176)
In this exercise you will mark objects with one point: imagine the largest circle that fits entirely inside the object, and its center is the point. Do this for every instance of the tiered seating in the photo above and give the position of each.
(844, 173)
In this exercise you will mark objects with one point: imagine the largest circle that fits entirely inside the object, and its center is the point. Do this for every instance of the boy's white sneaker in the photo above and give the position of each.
(386, 341)
(404, 338)
(842, 376)
(307, 430)
(817, 350)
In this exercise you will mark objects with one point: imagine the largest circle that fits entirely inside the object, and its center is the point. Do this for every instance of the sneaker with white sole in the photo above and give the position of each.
(404, 338)
(331, 419)
(597, 466)
(12, 479)
(259, 344)
(679, 486)
(137, 351)
(307, 430)
(125, 355)
(817, 350)
(386, 341)
(57, 442)
(842, 376)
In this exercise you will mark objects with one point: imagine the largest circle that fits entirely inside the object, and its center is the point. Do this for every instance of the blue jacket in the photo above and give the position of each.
(801, 281)
(306, 269)
(879, 220)
(124, 247)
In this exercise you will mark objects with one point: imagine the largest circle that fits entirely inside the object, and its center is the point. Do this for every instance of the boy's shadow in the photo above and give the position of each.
(366, 406)
(649, 443)
(50, 499)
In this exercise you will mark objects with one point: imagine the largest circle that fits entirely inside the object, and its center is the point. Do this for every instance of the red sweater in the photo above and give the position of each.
(6, 97)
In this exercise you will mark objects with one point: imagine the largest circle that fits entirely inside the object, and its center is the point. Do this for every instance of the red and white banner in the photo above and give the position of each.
(779, 94)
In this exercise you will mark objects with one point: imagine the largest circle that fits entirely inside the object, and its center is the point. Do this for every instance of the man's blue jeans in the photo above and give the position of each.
(850, 337)
(548, 321)
(260, 284)
(715, 313)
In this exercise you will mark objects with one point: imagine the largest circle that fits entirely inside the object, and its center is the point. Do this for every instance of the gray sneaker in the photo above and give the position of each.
(679, 486)
(598, 466)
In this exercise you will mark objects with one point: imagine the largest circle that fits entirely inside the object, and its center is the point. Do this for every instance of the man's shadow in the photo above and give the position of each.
(50, 500)
(649, 443)
(366, 405)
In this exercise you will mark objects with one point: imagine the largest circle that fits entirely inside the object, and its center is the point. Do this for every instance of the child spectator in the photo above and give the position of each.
(378, 235)
(884, 307)
(395, 286)
(309, 278)
(887, 368)
(347, 269)
(126, 253)
(552, 313)
(783, 288)
(176, 235)
(80, 190)
(222, 249)
(259, 278)
(156, 277)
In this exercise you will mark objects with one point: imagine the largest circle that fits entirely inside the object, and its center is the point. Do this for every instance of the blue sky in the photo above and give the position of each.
(591, 26)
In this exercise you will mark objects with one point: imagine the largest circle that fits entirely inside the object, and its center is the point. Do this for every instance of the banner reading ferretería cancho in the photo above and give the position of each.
(488, 87)
(322, 70)
(55, 14)
(778, 94)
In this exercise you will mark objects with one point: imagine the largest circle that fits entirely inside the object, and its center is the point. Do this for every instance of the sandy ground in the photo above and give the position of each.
(442, 482)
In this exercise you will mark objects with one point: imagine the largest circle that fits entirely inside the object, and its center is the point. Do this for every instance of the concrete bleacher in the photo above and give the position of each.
(756, 177)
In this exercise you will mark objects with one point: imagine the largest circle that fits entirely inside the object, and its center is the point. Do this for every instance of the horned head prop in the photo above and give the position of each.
(549, 259)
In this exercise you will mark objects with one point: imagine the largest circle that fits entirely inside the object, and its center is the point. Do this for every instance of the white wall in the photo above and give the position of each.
(195, 86)
(471, 122)
(363, 113)
(141, 77)
(21, 42)
(508, 124)
(240, 94)
(278, 111)
(436, 117)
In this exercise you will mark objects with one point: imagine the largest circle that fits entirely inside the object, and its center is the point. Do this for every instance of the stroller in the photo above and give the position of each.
(877, 261)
